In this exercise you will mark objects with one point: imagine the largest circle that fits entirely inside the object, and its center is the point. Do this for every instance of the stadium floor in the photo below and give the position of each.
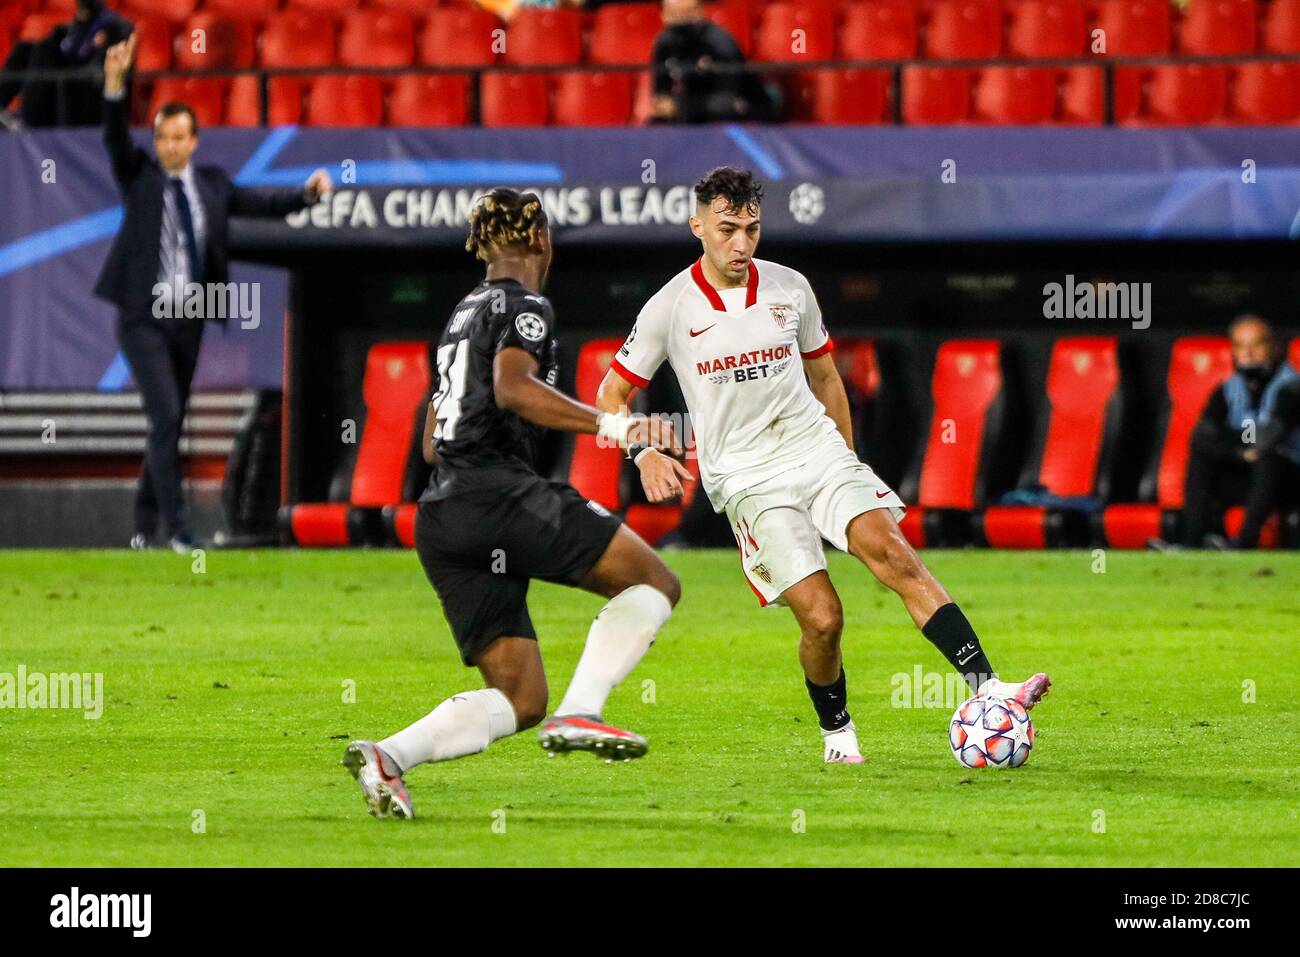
(224, 717)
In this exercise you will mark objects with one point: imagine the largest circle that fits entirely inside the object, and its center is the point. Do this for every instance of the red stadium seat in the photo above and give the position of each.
(1015, 95)
(964, 29)
(625, 33)
(154, 48)
(387, 464)
(243, 102)
(879, 30)
(541, 37)
(1218, 26)
(1282, 26)
(1047, 28)
(176, 11)
(965, 430)
(257, 10)
(415, 8)
(1266, 94)
(592, 99)
(850, 96)
(594, 468)
(8, 36)
(227, 43)
(1197, 365)
(338, 100)
(298, 38)
(932, 96)
(1074, 451)
(461, 36)
(1293, 355)
(1269, 533)
(37, 26)
(642, 97)
(205, 96)
(859, 368)
(285, 98)
(1186, 95)
(734, 17)
(793, 33)
(441, 100)
(377, 38)
(513, 99)
(335, 8)
(1082, 95)
(1135, 27)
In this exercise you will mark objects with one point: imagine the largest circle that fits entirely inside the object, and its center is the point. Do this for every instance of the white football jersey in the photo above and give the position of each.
(738, 356)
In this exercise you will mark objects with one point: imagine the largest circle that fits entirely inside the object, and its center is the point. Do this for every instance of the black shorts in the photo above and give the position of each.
(479, 550)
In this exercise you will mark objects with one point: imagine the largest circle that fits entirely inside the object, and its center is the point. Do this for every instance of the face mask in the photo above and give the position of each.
(1256, 375)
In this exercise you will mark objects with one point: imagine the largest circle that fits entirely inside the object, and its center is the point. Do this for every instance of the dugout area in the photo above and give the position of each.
(904, 300)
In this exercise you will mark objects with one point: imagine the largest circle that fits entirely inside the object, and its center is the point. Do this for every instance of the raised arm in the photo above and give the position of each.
(824, 380)
(125, 156)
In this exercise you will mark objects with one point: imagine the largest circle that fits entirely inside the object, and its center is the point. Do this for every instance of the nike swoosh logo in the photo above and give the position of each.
(882, 494)
(962, 661)
(702, 331)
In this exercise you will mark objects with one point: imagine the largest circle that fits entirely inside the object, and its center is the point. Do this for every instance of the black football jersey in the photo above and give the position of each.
(472, 432)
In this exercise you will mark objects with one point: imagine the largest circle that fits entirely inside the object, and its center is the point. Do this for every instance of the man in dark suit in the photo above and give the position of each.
(172, 243)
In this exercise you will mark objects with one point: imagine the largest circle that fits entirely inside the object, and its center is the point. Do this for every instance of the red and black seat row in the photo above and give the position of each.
(950, 487)
(1073, 453)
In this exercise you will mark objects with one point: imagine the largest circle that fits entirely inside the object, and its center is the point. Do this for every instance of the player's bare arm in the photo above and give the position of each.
(427, 449)
(517, 389)
(661, 475)
(826, 384)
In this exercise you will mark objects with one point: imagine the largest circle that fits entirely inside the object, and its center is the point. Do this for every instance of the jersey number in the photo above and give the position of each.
(451, 387)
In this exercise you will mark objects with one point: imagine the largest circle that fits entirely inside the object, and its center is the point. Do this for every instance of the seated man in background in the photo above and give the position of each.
(71, 47)
(1246, 446)
(686, 88)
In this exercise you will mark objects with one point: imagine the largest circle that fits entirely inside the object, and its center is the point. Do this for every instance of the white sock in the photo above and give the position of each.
(465, 723)
(620, 636)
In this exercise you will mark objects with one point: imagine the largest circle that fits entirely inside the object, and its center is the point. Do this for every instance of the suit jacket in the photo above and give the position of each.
(131, 269)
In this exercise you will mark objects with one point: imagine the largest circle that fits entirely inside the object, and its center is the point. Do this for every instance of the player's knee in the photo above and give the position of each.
(530, 706)
(823, 625)
(670, 585)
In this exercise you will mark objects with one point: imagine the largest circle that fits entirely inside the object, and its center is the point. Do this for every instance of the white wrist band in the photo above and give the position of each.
(614, 426)
(640, 455)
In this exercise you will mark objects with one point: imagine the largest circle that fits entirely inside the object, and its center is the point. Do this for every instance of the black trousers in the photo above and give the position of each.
(1264, 486)
(162, 354)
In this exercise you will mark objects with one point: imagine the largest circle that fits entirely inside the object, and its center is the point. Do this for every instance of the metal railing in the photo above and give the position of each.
(897, 69)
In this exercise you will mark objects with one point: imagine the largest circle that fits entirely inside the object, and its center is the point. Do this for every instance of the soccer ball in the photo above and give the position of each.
(989, 732)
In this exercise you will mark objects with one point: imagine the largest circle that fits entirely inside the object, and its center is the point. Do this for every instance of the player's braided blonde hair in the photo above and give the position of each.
(504, 217)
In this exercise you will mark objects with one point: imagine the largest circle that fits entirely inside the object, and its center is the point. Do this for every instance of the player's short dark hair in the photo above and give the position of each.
(737, 186)
(504, 217)
(176, 108)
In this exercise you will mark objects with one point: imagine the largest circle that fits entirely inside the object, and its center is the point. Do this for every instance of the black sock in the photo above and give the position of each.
(950, 632)
(831, 702)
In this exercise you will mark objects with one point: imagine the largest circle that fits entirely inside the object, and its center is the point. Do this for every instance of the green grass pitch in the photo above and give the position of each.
(1170, 737)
